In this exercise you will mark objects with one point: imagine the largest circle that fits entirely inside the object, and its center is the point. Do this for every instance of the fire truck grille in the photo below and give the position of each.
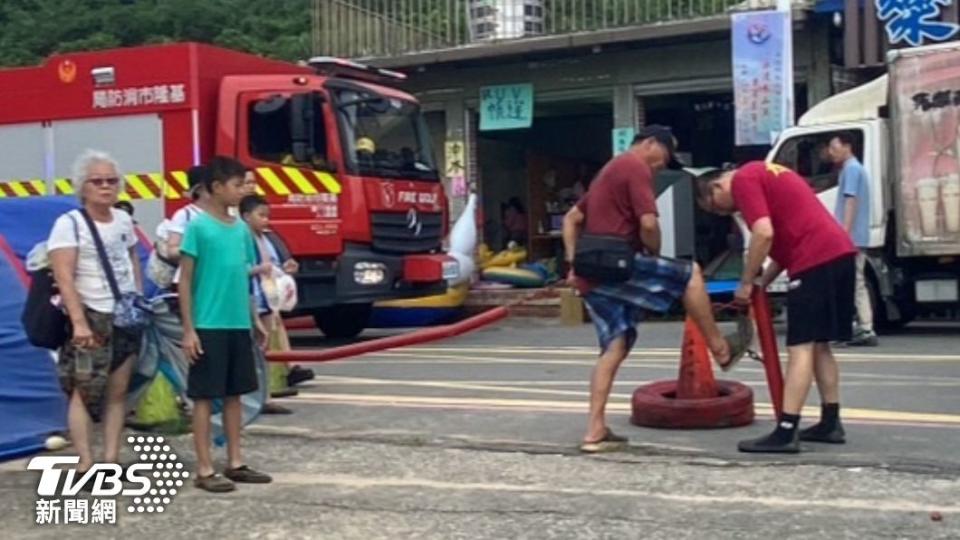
(398, 233)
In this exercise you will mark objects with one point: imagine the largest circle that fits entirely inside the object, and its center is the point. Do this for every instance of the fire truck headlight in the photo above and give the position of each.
(369, 273)
(451, 270)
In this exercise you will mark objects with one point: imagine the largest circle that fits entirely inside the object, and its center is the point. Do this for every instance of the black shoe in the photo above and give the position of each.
(285, 393)
(298, 375)
(768, 445)
(864, 339)
(246, 475)
(272, 408)
(820, 434)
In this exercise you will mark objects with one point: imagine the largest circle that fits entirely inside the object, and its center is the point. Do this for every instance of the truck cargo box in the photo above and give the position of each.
(925, 101)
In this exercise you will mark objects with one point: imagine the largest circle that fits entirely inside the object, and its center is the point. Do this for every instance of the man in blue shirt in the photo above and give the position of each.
(853, 212)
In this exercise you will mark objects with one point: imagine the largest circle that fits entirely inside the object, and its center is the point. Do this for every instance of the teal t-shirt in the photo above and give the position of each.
(223, 255)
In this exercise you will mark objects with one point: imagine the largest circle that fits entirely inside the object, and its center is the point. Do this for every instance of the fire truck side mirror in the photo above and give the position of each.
(303, 126)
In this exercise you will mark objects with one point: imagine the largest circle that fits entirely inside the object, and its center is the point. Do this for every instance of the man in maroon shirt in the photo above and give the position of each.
(621, 203)
(789, 224)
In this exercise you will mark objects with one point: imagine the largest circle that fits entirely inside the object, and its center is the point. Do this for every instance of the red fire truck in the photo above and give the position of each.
(344, 160)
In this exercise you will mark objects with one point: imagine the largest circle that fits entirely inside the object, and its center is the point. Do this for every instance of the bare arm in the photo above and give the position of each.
(137, 271)
(771, 273)
(64, 264)
(650, 234)
(173, 246)
(191, 341)
(572, 225)
(849, 213)
(185, 291)
(761, 239)
(259, 330)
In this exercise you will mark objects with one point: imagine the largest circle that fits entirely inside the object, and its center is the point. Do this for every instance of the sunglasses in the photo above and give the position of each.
(100, 182)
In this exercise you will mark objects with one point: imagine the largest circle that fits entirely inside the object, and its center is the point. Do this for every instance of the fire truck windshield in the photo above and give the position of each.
(384, 136)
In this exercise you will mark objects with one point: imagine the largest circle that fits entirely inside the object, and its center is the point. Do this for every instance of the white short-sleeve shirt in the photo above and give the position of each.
(178, 222)
(71, 231)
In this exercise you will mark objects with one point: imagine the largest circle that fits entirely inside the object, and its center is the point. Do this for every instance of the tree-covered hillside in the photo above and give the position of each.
(31, 30)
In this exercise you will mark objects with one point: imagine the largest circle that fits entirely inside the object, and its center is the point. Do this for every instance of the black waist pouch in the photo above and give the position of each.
(606, 259)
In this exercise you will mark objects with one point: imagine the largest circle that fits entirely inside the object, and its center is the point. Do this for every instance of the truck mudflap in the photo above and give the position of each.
(361, 275)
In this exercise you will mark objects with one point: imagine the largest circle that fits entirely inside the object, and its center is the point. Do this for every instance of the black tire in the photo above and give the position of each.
(881, 320)
(343, 321)
(655, 405)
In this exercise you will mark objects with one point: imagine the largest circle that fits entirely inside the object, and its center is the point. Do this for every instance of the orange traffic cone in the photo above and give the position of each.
(696, 379)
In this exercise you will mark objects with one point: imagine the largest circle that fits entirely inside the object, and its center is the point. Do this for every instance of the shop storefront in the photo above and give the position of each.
(528, 130)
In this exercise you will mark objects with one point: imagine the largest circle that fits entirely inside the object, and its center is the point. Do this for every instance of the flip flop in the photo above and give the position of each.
(610, 442)
(739, 341)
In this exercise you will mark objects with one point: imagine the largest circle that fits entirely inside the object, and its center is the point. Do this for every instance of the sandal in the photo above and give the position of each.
(214, 483)
(739, 341)
(610, 442)
(246, 475)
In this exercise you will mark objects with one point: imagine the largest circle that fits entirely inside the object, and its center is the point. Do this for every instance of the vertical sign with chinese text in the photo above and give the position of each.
(622, 137)
(455, 169)
(762, 76)
(507, 106)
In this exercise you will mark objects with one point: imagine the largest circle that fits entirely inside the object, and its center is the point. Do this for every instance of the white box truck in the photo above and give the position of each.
(906, 127)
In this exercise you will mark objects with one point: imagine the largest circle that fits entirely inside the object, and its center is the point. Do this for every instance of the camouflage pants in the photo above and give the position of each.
(117, 345)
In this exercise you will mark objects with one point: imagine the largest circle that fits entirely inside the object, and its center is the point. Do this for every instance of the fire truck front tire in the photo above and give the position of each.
(343, 321)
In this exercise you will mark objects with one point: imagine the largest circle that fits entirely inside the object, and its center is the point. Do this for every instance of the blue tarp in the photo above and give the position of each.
(829, 6)
(723, 287)
(32, 406)
(26, 222)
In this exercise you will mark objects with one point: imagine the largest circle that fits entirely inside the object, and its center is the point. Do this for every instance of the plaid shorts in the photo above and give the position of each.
(656, 285)
(118, 345)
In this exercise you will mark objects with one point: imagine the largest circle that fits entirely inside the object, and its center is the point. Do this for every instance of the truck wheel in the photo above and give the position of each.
(343, 321)
(882, 322)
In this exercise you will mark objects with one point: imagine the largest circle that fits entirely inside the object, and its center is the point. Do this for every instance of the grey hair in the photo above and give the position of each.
(81, 168)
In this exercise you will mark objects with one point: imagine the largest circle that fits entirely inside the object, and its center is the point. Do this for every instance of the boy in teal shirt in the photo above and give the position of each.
(218, 315)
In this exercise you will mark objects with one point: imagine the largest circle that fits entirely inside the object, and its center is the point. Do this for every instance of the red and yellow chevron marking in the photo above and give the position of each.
(271, 181)
(136, 187)
(283, 181)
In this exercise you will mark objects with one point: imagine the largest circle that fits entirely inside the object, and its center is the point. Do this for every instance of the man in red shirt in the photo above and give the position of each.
(789, 224)
(621, 203)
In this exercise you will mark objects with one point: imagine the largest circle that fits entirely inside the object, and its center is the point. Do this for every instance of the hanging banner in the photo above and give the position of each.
(762, 76)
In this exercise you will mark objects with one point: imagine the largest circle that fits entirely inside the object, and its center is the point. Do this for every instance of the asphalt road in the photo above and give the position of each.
(900, 401)
(476, 437)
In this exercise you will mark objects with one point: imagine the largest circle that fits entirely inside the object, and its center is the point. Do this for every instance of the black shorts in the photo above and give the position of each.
(820, 303)
(226, 367)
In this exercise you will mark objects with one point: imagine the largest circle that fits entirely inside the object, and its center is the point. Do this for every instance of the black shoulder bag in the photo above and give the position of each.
(46, 323)
(605, 259)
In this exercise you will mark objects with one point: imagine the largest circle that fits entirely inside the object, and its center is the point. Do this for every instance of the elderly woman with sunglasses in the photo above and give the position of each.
(95, 365)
